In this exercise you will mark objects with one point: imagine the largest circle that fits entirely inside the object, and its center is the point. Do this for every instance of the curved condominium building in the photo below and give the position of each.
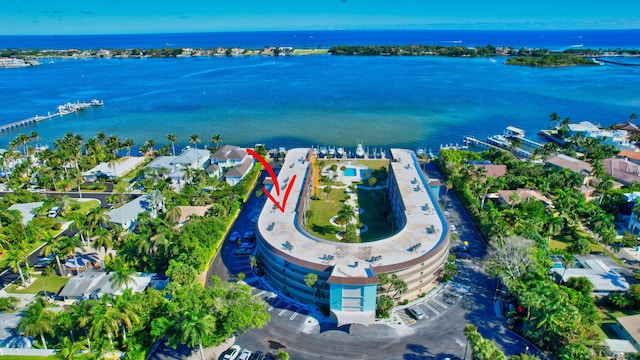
(348, 272)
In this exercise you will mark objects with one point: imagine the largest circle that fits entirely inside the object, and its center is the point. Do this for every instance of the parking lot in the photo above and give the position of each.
(433, 305)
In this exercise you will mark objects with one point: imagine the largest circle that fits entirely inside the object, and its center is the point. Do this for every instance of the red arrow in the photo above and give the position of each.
(275, 181)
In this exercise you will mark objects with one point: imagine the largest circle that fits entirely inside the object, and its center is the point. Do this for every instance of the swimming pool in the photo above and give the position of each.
(350, 171)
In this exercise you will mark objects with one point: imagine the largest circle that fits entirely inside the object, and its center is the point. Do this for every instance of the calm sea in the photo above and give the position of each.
(312, 100)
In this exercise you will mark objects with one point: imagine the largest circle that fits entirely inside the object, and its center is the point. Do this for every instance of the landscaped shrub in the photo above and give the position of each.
(56, 226)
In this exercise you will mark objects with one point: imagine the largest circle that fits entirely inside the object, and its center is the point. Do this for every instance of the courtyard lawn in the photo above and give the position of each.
(374, 215)
(47, 283)
(86, 206)
(323, 210)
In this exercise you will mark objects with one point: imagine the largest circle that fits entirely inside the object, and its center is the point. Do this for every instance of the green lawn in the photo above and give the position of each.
(372, 202)
(48, 283)
(323, 210)
(86, 206)
(32, 247)
(11, 357)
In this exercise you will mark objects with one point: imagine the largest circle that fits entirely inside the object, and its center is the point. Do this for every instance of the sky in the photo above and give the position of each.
(64, 17)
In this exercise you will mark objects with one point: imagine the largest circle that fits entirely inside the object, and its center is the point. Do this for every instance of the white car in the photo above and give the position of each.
(54, 212)
(232, 353)
(244, 355)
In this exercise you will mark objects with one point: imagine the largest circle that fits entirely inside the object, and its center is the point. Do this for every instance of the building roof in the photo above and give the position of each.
(26, 210)
(600, 270)
(354, 260)
(229, 152)
(627, 126)
(239, 170)
(524, 195)
(97, 283)
(187, 211)
(191, 156)
(622, 170)
(161, 162)
(567, 162)
(619, 346)
(128, 211)
(493, 170)
(632, 325)
(119, 168)
(633, 155)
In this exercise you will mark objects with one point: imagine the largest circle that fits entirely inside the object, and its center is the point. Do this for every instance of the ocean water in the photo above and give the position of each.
(414, 102)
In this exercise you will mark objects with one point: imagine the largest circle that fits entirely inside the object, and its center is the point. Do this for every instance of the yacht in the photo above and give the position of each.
(332, 152)
(360, 149)
(340, 152)
(323, 151)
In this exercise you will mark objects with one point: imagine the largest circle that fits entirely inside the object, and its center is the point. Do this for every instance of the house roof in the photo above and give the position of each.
(120, 167)
(627, 125)
(128, 211)
(622, 170)
(239, 170)
(524, 194)
(632, 325)
(187, 211)
(97, 283)
(567, 162)
(493, 170)
(229, 152)
(161, 162)
(634, 155)
(191, 156)
(25, 209)
(600, 270)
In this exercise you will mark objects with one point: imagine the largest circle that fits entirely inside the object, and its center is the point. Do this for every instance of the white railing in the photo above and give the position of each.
(26, 352)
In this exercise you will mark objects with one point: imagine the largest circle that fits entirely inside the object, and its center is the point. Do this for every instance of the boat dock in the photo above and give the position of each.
(67, 108)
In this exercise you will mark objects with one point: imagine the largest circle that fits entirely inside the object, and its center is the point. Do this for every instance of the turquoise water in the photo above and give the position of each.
(350, 171)
(311, 100)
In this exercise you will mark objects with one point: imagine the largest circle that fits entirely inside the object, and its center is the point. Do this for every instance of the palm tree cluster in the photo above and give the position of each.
(558, 318)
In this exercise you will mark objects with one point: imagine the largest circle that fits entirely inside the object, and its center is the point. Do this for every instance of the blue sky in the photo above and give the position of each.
(147, 16)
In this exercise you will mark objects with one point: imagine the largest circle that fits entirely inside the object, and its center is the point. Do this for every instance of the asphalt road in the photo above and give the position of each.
(439, 336)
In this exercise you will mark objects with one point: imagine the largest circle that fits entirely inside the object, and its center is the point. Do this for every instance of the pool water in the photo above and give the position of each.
(350, 171)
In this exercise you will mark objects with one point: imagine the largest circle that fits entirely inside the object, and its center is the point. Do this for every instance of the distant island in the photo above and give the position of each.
(524, 56)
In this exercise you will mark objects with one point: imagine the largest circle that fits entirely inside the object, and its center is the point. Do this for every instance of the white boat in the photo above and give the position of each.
(323, 150)
(332, 151)
(96, 102)
(340, 151)
(360, 149)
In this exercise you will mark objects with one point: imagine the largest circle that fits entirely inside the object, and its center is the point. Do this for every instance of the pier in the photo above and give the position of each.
(67, 108)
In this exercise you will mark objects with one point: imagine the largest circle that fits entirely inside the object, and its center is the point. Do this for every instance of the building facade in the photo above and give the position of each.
(348, 273)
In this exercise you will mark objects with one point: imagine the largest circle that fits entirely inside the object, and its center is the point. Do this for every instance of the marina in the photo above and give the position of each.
(63, 109)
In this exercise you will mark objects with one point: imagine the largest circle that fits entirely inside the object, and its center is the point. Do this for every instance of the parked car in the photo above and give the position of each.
(55, 211)
(43, 262)
(258, 355)
(235, 236)
(463, 255)
(459, 248)
(232, 353)
(244, 355)
(249, 235)
(415, 312)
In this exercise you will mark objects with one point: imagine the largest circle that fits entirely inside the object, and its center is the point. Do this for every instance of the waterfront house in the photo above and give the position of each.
(617, 138)
(175, 165)
(627, 214)
(233, 163)
(492, 170)
(187, 212)
(633, 156)
(111, 171)
(600, 270)
(126, 215)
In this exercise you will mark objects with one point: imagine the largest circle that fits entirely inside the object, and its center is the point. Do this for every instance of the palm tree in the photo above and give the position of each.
(68, 248)
(194, 139)
(128, 309)
(68, 349)
(345, 215)
(52, 247)
(173, 138)
(37, 320)
(122, 276)
(173, 214)
(128, 144)
(215, 139)
(310, 280)
(105, 320)
(15, 258)
(195, 328)
(97, 218)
